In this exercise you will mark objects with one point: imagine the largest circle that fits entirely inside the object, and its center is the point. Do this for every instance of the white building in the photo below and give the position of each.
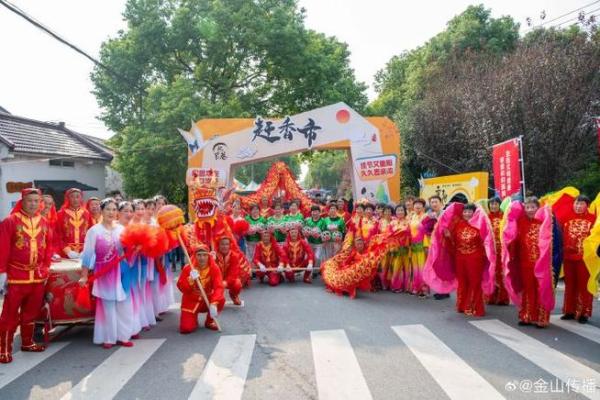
(50, 157)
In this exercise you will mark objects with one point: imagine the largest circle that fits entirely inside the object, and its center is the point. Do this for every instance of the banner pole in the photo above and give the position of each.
(522, 160)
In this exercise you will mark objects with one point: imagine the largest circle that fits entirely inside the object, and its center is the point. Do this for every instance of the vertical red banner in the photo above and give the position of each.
(507, 171)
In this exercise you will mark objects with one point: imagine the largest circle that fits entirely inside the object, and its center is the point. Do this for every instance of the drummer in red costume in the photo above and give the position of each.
(575, 228)
(203, 268)
(25, 255)
(299, 255)
(229, 262)
(269, 255)
(73, 221)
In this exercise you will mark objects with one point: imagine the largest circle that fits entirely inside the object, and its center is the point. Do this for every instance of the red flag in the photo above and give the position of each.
(507, 172)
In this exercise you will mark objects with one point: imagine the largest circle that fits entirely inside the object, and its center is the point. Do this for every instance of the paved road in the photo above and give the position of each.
(299, 342)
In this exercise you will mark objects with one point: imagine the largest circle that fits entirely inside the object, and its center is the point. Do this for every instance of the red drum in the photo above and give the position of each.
(61, 291)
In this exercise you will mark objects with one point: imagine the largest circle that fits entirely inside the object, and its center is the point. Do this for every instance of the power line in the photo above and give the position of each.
(56, 36)
(564, 15)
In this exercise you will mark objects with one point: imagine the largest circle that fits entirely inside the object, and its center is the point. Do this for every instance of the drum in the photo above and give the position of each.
(61, 291)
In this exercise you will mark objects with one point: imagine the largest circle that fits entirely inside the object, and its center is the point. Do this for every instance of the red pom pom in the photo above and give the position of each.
(136, 235)
(158, 246)
(240, 227)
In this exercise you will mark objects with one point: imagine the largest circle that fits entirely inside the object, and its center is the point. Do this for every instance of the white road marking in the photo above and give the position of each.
(336, 368)
(225, 373)
(586, 330)
(108, 378)
(452, 373)
(24, 361)
(556, 363)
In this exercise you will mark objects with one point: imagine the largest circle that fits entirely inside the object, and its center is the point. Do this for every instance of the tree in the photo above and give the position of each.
(456, 96)
(328, 169)
(402, 84)
(182, 59)
(258, 171)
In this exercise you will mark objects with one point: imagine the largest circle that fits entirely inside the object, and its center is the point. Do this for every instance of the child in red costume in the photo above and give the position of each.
(299, 255)
(203, 269)
(270, 258)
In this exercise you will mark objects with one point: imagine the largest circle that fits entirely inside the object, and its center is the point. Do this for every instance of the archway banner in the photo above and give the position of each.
(226, 144)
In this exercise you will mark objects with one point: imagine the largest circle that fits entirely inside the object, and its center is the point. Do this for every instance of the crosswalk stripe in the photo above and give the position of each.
(585, 330)
(225, 373)
(23, 362)
(106, 380)
(336, 368)
(454, 375)
(556, 363)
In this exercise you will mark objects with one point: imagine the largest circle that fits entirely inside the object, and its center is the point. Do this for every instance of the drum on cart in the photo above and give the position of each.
(60, 307)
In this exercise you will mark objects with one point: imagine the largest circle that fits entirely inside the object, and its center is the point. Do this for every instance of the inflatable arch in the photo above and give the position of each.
(219, 146)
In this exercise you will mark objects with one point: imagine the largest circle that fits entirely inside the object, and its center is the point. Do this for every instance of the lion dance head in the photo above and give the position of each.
(203, 200)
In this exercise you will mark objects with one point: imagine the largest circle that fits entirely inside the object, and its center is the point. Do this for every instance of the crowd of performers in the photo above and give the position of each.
(418, 247)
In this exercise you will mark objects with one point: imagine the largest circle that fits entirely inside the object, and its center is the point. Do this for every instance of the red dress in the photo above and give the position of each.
(71, 227)
(469, 259)
(500, 295)
(230, 267)
(25, 255)
(578, 300)
(528, 253)
(299, 254)
(191, 301)
(270, 255)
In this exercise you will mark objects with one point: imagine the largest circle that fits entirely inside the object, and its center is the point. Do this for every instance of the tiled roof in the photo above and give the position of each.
(24, 135)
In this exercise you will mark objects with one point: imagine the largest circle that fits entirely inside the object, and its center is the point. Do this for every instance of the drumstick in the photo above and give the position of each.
(202, 292)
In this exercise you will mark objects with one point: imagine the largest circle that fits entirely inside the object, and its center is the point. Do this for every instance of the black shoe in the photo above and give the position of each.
(567, 317)
(439, 296)
(523, 323)
(583, 320)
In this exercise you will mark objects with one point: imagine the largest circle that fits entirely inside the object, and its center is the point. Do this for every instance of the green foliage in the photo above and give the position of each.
(327, 169)
(478, 83)
(257, 171)
(191, 59)
(586, 180)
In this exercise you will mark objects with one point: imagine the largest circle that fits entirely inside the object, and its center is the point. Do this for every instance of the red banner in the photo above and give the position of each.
(507, 172)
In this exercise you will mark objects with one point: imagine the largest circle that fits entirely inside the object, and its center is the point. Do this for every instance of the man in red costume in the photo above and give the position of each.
(73, 222)
(528, 253)
(500, 295)
(576, 226)
(203, 269)
(25, 255)
(469, 260)
(270, 258)
(299, 254)
(229, 262)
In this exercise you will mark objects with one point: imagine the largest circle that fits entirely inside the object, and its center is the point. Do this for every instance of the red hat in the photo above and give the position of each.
(200, 247)
(66, 203)
(25, 192)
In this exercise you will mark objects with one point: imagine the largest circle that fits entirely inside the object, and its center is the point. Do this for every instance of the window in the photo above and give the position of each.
(61, 163)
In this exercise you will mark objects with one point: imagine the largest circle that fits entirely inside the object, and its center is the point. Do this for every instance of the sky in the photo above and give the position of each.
(43, 79)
